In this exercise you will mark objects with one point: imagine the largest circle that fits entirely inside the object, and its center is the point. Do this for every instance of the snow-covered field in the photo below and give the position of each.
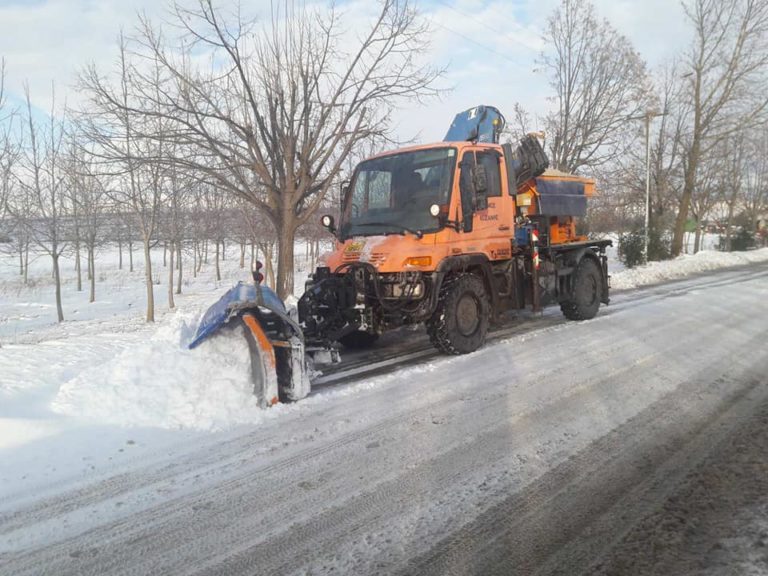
(535, 463)
(104, 367)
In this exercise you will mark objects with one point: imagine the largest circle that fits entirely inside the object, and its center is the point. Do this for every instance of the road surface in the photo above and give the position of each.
(635, 443)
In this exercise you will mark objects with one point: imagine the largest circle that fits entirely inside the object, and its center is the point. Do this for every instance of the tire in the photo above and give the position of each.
(358, 340)
(587, 292)
(460, 322)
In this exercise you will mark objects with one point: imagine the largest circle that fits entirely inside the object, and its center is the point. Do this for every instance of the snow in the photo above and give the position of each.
(84, 396)
(370, 243)
(363, 478)
(159, 382)
(682, 266)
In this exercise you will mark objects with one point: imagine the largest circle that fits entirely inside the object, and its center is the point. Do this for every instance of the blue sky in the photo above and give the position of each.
(489, 46)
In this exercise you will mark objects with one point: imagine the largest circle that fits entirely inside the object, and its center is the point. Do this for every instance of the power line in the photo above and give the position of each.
(484, 25)
(473, 41)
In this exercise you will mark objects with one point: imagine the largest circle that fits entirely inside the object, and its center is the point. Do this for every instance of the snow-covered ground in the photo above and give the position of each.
(108, 376)
(79, 397)
(534, 463)
(684, 265)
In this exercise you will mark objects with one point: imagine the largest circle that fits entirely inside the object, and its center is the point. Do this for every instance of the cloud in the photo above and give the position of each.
(489, 47)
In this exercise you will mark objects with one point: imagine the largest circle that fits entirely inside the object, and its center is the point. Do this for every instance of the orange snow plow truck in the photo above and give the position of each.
(451, 235)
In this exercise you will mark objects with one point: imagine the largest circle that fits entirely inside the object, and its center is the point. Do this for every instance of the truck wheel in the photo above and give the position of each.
(460, 322)
(358, 340)
(587, 292)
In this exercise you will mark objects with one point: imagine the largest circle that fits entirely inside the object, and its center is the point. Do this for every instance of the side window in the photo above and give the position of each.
(466, 188)
(491, 162)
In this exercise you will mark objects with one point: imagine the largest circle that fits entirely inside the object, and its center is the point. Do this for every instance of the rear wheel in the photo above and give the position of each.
(460, 322)
(358, 340)
(587, 292)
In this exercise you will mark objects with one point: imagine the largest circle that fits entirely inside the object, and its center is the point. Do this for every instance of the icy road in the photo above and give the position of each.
(634, 443)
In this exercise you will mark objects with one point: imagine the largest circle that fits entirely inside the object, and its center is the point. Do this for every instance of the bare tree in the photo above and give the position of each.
(727, 88)
(87, 197)
(135, 163)
(518, 124)
(282, 105)
(43, 183)
(600, 82)
(711, 181)
(755, 197)
(8, 149)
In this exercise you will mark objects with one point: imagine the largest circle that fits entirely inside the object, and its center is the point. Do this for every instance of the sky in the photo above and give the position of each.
(489, 47)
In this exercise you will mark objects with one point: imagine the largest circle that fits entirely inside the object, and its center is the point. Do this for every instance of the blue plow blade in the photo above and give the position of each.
(235, 299)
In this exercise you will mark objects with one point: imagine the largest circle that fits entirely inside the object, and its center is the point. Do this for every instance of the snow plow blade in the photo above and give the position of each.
(275, 340)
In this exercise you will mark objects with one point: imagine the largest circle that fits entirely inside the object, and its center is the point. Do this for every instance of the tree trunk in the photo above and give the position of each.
(119, 254)
(194, 259)
(79, 266)
(270, 265)
(165, 254)
(148, 279)
(218, 270)
(57, 281)
(697, 239)
(242, 254)
(181, 267)
(26, 262)
(205, 250)
(253, 253)
(223, 251)
(92, 268)
(285, 247)
(728, 246)
(130, 255)
(689, 183)
(171, 303)
(21, 259)
(682, 216)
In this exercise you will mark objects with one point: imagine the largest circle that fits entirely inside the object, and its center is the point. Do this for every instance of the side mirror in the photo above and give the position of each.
(327, 223)
(481, 187)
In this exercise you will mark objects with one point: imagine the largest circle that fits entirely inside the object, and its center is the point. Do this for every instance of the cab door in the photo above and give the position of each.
(492, 225)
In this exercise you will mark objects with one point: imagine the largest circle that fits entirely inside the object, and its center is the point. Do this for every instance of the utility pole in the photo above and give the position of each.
(648, 115)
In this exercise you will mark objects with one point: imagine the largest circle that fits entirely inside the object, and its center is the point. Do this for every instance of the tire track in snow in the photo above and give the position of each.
(170, 531)
(245, 476)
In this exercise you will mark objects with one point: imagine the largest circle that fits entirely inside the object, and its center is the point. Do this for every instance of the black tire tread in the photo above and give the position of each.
(437, 326)
(575, 309)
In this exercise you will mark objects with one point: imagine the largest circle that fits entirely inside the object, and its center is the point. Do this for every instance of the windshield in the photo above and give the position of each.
(393, 194)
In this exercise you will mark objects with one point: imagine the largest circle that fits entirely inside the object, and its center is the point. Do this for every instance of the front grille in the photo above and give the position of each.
(374, 258)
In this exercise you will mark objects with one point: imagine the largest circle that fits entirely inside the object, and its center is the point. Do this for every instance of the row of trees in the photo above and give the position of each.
(707, 150)
(214, 115)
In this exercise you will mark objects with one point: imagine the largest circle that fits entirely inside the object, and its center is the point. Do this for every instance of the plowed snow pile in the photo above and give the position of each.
(162, 383)
(685, 265)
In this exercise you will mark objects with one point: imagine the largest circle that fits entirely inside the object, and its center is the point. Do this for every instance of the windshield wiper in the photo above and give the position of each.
(403, 229)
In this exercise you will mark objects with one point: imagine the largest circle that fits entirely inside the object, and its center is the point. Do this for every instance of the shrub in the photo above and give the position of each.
(631, 248)
(741, 241)
(632, 245)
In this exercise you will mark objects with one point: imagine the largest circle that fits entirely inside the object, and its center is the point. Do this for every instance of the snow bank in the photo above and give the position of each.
(160, 383)
(685, 265)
